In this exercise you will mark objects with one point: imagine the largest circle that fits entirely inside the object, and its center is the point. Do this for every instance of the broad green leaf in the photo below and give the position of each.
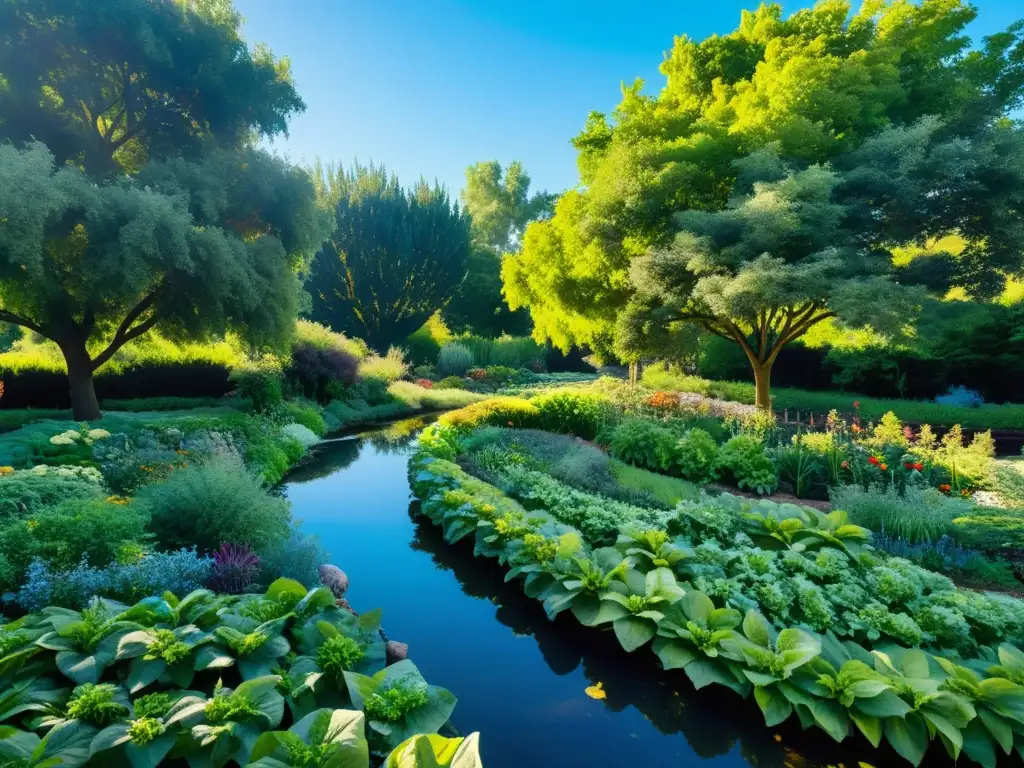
(773, 704)
(979, 745)
(757, 629)
(870, 726)
(673, 654)
(286, 590)
(885, 704)
(633, 632)
(908, 736)
(697, 606)
(915, 663)
(831, 717)
(110, 737)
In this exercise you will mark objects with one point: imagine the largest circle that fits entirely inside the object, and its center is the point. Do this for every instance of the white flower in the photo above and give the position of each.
(61, 440)
(99, 434)
(40, 469)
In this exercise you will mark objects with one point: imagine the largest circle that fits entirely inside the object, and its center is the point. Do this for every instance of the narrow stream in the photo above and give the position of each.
(519, 677)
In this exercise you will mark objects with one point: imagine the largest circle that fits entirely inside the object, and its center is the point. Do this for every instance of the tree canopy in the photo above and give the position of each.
(140, 200)
(811, 89)
(394, 259)
(500, 206)
(109, 85)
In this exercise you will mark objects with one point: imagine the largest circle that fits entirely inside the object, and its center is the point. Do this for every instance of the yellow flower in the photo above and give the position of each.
(596, 691)
(32, 524)
(6, 470)
(119, 500)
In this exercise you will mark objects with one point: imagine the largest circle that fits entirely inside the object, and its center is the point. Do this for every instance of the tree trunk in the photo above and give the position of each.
(84, 405)
(762, 384)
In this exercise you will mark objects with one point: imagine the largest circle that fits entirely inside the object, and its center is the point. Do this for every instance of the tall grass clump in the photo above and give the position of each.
(920, 515)
(454, 359)
(511, 351)
(321, 337)
(387, 368)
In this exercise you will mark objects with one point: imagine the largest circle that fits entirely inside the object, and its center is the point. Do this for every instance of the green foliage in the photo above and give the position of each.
(386, 368)
(478, 306)
(917, 515)
(212, 504)
(495, 411)
(423, 237)
(743, 460)
(306, 414)
(571, 413)
(454, 359)
(423, 345)
(832, 671)
(512, 351)
(644, 443)
(261, 383)
(143, 686)
(696, 456)
(25, 494)
(802, 469)
(322, 337)
(666, 491)
(436, 398)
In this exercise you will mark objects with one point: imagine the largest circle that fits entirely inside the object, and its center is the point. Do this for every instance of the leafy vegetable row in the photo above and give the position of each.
(116, 685)
(905, 696)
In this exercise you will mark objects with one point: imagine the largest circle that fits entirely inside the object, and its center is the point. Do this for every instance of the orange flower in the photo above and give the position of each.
(945, 487)
(884, 467)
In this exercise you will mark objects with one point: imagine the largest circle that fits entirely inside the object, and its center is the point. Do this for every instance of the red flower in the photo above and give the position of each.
(856, 405)
(919, 466)
(873, 460)
(907, 465)
(945, 487)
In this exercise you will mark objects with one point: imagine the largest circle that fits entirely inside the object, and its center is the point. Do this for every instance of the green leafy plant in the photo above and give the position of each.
(744, 461)
(398, 703)
(695, 456)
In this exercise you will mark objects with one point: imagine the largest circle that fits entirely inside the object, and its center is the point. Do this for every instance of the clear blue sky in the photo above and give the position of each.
(429, 86)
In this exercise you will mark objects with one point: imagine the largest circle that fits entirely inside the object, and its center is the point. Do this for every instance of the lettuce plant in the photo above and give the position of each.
(322, 738)
(590, 578)
(634, 605)
(433, 751)
(86, 642)
(399, 703)
(160, 654)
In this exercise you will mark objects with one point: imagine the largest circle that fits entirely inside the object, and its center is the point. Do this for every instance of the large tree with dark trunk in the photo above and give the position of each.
(132, 196)
(395, 258)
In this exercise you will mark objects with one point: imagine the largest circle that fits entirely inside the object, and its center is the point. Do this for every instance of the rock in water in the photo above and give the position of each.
(396, 651)
(334, 579)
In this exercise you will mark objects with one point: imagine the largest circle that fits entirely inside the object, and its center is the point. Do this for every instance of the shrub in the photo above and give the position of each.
(644, 443)
(308, 415)
(390, 367)
(321, 374)
(180, 572)
(299, 557)
(919, 515)
(321, 337)
(212, 504)
(26, 493)
(743, 461)
(961, 396)
(571, 413)
(424, 372)
(511, 351)
(695, 455)
(451, 382)
(495, 411)
(261, 383)
(424, 344)
(499, 375)
(372, 391)
(235, 568)
(454, 359)
(991, 531)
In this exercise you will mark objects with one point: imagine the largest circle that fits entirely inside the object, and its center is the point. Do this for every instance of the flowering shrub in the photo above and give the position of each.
(425, 383)
(477, 374)
(663, 401)
(153, 574)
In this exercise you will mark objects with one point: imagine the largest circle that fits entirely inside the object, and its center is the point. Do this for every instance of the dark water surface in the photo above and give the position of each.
(519, 677)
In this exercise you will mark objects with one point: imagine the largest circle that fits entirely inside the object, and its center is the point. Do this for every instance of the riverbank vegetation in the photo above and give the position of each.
(766, 596)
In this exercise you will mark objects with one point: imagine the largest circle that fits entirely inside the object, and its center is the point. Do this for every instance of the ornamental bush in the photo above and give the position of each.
(644, 443)
(215, 503)
(571, 413)
(744, 462)
(696, 455)
(454, 359)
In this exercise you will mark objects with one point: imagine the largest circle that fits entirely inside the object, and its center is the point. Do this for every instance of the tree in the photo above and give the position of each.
(196, 248)
(500, 205)
(147, 204)
(797, 247)
(109, 85)
(394, 259)
(813, 87)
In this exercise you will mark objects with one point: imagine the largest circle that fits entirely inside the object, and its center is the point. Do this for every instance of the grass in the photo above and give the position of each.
(418, 397)
(390, 367)
(1010, 416)
(666, 490)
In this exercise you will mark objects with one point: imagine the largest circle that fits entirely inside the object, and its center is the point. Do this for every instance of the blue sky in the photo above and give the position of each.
(429, 86)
